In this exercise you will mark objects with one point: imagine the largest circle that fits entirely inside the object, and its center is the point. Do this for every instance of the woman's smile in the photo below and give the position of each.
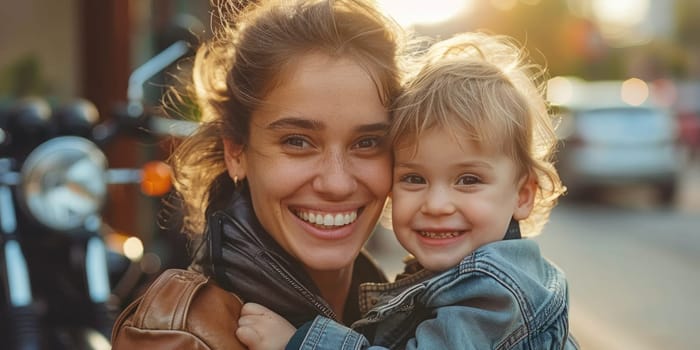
(317, 162)
(326, 220)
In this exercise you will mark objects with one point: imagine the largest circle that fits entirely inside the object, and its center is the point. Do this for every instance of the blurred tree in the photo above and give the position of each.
(687, 29)
(23, 78)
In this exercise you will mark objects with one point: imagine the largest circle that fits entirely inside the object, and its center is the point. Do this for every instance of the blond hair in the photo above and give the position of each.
(245, 60)
(480, 87)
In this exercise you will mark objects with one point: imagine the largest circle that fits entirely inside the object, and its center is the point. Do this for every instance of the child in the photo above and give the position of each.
(472, 149)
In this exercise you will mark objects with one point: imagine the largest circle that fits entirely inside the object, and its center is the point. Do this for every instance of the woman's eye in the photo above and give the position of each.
(468, 180)
(296, 141)
(412, 179)
(368, 142)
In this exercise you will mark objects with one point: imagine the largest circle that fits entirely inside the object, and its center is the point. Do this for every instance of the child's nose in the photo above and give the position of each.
(438, 202)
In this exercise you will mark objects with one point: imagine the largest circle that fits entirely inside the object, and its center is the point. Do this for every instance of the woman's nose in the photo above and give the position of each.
(334, 179)
(438, 202)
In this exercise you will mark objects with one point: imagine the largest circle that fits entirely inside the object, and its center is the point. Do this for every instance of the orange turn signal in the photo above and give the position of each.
(157, 179)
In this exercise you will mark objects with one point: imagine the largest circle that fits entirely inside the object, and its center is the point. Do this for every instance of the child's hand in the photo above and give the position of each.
(261, 329)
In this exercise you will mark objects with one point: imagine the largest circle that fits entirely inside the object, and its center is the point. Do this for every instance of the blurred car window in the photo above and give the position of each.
(625, 126)
(613, 146)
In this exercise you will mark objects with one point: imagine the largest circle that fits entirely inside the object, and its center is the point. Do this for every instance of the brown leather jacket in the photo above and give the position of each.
(180, 310)
(187, 310)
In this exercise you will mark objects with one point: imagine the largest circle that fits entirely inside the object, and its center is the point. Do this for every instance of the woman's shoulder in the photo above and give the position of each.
(181, 309)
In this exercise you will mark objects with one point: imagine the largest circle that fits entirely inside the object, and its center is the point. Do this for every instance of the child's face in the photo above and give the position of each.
(449, 198)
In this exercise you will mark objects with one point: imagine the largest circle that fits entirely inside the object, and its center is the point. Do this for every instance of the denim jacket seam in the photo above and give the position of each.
(524, 331)
(315, 334)
(534, 322)
(479, 263)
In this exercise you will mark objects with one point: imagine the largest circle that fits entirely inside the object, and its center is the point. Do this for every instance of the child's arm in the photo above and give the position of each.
(261, 328)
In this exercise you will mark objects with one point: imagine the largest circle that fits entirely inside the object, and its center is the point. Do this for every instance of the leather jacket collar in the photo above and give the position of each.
(244, 259)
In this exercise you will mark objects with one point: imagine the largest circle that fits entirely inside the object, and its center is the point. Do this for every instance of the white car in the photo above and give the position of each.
(618, 145)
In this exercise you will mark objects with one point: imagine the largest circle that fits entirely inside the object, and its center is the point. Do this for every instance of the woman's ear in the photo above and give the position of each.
(234, 157)
(527, 190)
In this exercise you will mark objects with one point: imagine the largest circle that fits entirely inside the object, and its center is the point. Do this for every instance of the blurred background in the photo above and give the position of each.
(623, 80)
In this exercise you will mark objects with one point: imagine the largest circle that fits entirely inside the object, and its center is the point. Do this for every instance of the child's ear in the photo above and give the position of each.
(527, 189)
(235, 160)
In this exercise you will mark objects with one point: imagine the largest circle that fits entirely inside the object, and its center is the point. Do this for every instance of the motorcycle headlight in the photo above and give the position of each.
(64, 182)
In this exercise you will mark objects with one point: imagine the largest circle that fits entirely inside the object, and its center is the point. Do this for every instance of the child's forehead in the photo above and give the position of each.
(449, 137)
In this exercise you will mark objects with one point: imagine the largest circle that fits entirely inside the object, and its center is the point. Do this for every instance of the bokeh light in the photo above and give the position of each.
(634, 91)
(133, 248)
(560, 91)
(620, 21)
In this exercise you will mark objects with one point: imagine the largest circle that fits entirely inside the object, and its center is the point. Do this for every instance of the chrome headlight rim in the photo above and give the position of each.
(46, 171)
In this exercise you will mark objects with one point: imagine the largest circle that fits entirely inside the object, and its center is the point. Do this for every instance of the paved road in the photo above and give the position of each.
(633, 267)
(633, 275)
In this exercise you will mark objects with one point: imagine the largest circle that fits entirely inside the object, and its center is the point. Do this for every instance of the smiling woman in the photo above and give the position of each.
(284, 179)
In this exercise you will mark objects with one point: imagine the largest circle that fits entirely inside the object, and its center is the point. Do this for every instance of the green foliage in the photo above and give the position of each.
(23, 78)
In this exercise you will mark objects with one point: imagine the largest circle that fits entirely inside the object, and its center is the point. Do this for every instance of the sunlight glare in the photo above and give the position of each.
(504, 5)
(621, 12)
(412, 12)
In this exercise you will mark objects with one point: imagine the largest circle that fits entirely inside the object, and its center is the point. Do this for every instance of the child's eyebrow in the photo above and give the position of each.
(475, 164)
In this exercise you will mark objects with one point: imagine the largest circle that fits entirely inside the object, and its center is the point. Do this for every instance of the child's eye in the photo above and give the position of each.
(296, 141)
(412, 179)
(468, 180)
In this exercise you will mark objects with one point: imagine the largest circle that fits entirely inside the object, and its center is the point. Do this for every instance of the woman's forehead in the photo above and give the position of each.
(319, 92)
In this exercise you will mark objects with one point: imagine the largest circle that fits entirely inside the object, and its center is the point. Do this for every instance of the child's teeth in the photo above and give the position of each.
(439, 235)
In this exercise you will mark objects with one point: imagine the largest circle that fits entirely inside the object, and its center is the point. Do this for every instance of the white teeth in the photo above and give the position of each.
(439, 235)
(339, 219)
(328, 219)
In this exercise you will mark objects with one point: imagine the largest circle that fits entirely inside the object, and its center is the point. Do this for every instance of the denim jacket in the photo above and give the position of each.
(504, 295)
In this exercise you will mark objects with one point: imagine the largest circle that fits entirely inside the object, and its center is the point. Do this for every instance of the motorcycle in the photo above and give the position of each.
(65, 273)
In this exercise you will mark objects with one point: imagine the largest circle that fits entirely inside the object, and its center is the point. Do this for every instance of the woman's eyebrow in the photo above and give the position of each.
(295, 123)
(381, 126)
(310, 124)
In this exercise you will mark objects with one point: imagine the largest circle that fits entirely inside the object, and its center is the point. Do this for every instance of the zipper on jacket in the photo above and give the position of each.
(323, 308)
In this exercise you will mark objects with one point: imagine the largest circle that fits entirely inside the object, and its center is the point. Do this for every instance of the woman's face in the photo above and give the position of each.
(317, 162)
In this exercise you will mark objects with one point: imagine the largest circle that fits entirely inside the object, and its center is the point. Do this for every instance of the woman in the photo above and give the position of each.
(286, 176)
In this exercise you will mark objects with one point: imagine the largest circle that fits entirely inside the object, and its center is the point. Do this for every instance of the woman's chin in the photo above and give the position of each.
(329, 259)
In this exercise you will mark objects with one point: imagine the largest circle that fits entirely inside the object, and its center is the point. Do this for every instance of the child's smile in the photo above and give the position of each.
(451, 197)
